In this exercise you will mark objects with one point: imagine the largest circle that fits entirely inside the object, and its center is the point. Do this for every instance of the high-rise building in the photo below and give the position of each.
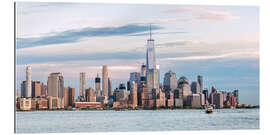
(183, 85)
(134, 98)
(134, 77)
(56, 85)
(28, 89)
(218, 99)
(36, 89)
(195, 88)
(152, 79)
(236, 94)
(43, 90)
(105, 80)
(90, 95)
(82, 84)
(97, 85)
(150, 54)
(200, 81)
(170, 81)
(143, 70)
(110, 87)
(23, 89)
(69, 96)
(205, 92)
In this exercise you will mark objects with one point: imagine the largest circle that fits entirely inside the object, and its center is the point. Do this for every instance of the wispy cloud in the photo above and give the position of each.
(235, 55)
(70, 36)
(198, 14)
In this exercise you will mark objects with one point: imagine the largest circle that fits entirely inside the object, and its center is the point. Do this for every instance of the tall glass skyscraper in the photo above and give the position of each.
(150, 53)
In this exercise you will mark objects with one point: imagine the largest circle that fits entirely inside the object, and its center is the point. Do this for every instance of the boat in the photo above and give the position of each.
(209, 109)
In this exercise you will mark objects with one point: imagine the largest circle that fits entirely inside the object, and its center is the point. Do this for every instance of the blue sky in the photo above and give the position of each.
(221, 43)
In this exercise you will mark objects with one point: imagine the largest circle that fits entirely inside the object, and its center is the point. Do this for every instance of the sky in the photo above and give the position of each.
(221, 43)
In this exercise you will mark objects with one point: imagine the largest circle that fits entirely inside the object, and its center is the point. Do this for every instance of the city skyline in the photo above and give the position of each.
(87, 53)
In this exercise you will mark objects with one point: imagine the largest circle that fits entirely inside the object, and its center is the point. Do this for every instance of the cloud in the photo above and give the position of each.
(178, 43)
(156, 33)
(235, 55)
(198, 14)
(71, 36)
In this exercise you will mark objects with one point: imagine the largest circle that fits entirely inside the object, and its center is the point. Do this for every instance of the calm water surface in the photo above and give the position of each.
(135, 120)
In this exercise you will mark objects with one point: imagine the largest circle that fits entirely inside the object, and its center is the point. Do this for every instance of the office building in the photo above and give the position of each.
(43, 90)
(205, 92)
(133, 93)
(170, 81)
(194, 101)
(134, 77)
(36, 89)
(195, 88)
(56, 85)
(153, 79)
(143, 70)
(90, 95)
(218, 99)
(82, 84)
(23, 89)
(183, 85)
(110, 87)
(105, 81)
(69, 96)
(28, 89)
(200, 81)
(150, 54)
(97, 86)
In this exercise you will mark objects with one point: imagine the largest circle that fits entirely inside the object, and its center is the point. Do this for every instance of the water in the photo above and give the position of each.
(135, 120)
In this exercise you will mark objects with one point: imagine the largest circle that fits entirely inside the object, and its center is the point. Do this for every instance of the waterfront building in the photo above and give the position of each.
(90, 95)
(28, 88)
(69, 96)
(211, 96)
(110, 87)
(194, 101)
(105, 81)
(55, 102)
(200, 81)
(128, 85)
(56, 85)
(25, 104)
(90, 105)
(236, 94)
(36, 89)
(218, 99)
(134, 98)
(183, 85)
(195, 88)
(23, 89)
(202, 99)
(43, 90)
(97, 86)
(178, 97)
(82, 84)
(205, 92)
(170, 81)
(41, 103)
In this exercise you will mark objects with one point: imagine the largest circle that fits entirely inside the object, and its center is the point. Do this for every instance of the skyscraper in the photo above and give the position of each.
(23, 89)
(110, 87)
(200, 81)
(143, 70)
(97, 85)
(170, 81)
(82, 84)
(150, 53)
(56, 85)
(134, 77)
(105, 81)
(36, 89)
(28, 82)
(195, 88)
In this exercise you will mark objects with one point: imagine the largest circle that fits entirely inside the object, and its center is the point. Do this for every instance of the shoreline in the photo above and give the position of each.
(130, 109)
